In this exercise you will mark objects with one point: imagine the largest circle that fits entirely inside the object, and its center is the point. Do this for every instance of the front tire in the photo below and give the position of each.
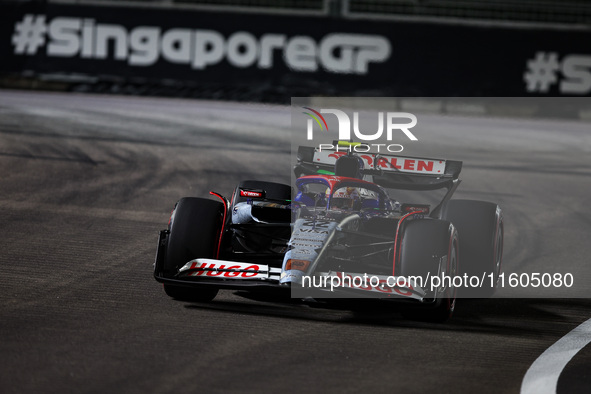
(194, 233)
(481, 229)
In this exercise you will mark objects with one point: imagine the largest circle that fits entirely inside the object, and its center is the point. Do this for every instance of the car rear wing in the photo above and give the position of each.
(387, 170)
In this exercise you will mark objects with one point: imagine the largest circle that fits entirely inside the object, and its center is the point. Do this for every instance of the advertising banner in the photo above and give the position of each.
(316, 55)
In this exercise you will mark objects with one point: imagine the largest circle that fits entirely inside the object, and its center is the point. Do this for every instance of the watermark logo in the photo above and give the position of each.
(314, 115)
(347, 130)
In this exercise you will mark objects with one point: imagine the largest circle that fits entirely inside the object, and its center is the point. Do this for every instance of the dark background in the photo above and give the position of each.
(441, 56)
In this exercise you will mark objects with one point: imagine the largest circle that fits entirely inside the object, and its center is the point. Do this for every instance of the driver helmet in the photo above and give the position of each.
(345, 198)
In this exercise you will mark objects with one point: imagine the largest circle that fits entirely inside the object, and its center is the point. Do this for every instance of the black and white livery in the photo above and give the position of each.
(340, 222)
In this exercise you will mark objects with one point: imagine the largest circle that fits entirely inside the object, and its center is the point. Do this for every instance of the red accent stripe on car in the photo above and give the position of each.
(396, 240)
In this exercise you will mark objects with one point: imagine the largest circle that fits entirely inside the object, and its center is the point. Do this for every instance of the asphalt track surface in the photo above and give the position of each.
(86, 182)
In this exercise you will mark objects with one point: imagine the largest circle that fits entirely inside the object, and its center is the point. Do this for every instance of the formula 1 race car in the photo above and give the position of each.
(339, 239)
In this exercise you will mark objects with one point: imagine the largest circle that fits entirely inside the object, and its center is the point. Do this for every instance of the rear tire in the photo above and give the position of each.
(194, 233)
(424, 244)
(480, 227)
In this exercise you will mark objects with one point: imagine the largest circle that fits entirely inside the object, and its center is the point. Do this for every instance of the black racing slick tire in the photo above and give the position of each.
(480, 227)
(431, 248)
(194, 232)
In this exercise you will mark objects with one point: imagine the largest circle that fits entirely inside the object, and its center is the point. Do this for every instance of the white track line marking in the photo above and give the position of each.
(542, 376)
